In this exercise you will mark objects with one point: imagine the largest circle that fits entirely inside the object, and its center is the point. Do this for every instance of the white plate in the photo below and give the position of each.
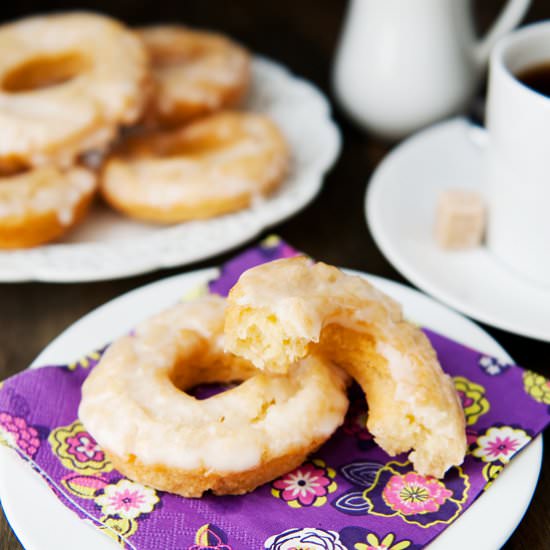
(42, 523)
(400, 208)
(108, 245)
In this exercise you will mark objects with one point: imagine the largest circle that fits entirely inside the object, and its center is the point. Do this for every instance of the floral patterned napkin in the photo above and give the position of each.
(349, 496)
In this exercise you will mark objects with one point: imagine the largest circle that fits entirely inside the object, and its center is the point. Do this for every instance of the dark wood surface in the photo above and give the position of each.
(301, 34)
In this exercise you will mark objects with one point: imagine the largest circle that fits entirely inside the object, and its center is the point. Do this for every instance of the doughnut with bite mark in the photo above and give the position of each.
(229, 443)
(282, 311)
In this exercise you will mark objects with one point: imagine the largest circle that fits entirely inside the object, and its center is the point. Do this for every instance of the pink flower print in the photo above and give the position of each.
(16, 432)
(307, 485)
(504, 446)
(466, 401)
(398, 491)
(127, 499)
(500, 444)
(77, 450)
(304, 484)
(84, 447)
(414, 494)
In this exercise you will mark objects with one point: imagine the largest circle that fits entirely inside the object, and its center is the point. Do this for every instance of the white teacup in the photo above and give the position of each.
(518, 156)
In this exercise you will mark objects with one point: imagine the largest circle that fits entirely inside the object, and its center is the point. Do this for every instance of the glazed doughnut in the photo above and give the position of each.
(281, 311)
(66, 83)
(42, 204)
(196, 73)
(215, 165)
(229, 443)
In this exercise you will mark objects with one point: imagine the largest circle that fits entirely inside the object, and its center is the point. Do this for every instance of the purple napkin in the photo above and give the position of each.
(348, 496)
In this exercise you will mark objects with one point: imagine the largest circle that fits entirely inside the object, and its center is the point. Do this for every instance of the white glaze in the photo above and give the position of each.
(276, 315)
(245, 155)
(162, 425)
(58, 122)
(205, 68)
(45, 190)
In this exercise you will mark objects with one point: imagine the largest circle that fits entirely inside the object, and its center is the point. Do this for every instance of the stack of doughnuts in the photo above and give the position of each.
(152, 102)
(298, 333)
(63, 92)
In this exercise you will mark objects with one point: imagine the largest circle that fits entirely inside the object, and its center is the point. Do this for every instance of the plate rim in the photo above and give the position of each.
(384, 243)
(532, 453)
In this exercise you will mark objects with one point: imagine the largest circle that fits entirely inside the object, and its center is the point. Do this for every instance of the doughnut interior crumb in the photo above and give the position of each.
(263, 339)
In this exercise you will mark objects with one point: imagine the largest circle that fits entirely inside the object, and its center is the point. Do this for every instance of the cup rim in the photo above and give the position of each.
(510, 40)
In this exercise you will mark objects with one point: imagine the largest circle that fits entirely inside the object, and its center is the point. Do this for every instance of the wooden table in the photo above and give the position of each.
(301, 34)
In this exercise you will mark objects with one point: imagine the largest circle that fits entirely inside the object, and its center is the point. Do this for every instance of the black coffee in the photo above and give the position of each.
(537, 77)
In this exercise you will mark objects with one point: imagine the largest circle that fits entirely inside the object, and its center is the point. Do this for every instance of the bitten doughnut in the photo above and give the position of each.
(42, 204)
(215, 165)
(67, 81)
(229, 443)
(281, 311)
(195, 72)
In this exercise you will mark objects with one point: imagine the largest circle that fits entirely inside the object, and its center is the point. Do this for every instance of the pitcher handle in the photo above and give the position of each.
(510, 16)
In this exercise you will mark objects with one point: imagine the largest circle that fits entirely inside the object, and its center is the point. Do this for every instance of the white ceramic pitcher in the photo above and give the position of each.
(403, 64)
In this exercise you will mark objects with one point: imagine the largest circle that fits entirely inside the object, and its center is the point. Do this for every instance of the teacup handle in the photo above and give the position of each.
(510, 16)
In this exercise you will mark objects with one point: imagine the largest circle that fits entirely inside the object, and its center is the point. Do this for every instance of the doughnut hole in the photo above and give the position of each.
(165, 55)
(44, 72)
(204, 374)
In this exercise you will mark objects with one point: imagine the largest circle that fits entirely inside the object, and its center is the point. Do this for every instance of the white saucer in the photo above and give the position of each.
(41, 522)
(400, 209)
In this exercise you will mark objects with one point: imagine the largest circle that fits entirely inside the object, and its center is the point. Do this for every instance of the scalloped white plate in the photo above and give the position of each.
(42, 523)
(109, 246)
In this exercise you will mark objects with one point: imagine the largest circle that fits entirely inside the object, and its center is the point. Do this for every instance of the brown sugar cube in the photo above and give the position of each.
(460, 219)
